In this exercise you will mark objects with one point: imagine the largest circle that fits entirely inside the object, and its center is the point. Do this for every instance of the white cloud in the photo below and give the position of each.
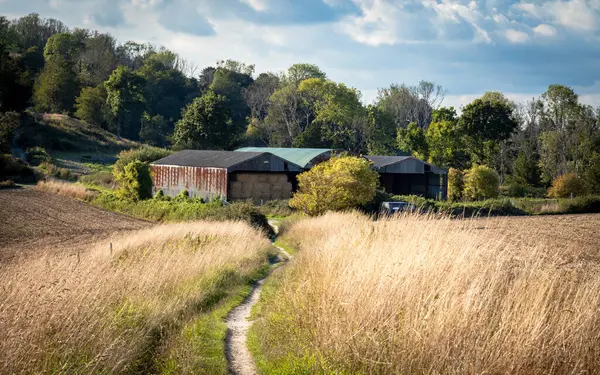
(451, 10)
(516, 36)
(377, 25)
(257, 5)
(529, 8)
(545, 30)
(575, 14)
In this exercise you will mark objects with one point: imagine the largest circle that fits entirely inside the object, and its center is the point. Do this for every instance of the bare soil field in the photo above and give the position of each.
(33, 221)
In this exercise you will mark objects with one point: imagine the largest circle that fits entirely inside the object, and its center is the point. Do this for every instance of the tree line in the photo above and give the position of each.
(151, 94)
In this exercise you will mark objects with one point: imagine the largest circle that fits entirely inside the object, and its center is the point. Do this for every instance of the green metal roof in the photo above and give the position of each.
(300, 156)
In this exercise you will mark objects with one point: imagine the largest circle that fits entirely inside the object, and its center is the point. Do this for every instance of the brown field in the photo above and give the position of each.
(431, 295)
(33, 221)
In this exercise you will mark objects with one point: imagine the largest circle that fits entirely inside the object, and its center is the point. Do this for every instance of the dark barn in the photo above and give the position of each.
(406, 175)
(260, 176)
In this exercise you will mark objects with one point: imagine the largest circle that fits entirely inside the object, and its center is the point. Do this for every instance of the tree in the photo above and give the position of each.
(154, 130)
(412, 140)
(338, 184)
(484, 123)
(91, 106)
(445, 140)
(125, 99)
(381, 132)
(526, 169)
(300, 72)
(9, 122)
(206, 124)
(480, 183)
(230, 80)
(406, 104)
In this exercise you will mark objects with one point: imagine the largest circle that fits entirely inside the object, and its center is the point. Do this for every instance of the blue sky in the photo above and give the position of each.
(468, 46)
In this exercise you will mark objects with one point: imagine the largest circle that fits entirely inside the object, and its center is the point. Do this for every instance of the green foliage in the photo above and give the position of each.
(9, 122)
(154, 130)
(300, 72)
(413, 140)
(518, 190)
(103, 179)
(483, 121)
(206, 124)
(526, 169)
(91, 106)
(134, 181)
(456, 184)
(57, 86)
(36, 155)
(338, 184)
(145, 154)
(126, 102)
(581, 205)
(567, 185)
(445, 143)
(15, 169)
(481, 183)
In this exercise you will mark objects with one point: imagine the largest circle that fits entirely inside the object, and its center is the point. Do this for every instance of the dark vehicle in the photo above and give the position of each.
(393, 208)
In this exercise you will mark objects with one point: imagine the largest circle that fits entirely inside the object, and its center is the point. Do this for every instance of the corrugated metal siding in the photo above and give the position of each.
(265, 163)
(199, 182)
(407, 166)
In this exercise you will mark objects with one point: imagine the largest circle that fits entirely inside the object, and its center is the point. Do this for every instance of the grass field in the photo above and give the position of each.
(430, 295)
(96, 292)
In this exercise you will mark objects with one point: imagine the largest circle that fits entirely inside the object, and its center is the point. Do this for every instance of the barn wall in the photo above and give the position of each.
(199, 182)
(408, 166)
(265, 163)
(259, 186)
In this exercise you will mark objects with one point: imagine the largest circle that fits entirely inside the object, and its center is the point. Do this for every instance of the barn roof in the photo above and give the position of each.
(300, 156)
(382, 162)
(209, 159)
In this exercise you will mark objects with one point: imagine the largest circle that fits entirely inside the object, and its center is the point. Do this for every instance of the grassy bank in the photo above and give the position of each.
(508, 206)
(424, 295)
(152, 304)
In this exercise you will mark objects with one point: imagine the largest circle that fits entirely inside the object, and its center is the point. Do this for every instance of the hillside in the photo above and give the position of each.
(71, 143)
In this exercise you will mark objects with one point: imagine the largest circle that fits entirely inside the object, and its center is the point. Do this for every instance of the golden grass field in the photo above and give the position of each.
(129, 310)
(431, 295)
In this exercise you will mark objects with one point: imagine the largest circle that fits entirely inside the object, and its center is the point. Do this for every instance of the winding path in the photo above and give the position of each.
(238, 356)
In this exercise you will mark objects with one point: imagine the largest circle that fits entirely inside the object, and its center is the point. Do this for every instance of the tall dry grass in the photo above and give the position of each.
(430, 295)
(68, 189)
(111, 312)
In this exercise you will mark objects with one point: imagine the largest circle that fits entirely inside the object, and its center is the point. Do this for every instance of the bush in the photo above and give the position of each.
(9, 122)
(581, 205)
(145, 154)
(102, 179)
(515, 189)
(134, 181)
(37, 155)
(456, 184)
(15, 169)
(7, 184)
(481, 183)
(566, 186)
(337, 184)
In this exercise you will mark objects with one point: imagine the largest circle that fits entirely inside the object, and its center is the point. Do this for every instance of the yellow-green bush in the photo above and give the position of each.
(338, 184)
(480, 183)
(456, 184)
(134, 181)
(567, 185)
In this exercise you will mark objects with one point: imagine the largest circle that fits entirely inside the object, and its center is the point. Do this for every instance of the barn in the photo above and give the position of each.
(260, 176)
(406, 175)
(304, 157)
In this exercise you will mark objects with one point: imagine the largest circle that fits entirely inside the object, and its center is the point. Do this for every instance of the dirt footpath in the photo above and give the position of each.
(33, 221)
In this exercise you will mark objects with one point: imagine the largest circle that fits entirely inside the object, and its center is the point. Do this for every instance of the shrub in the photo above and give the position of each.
(7, 184)
(145, 154)
(134, 181)
(480, 183)
(566, 186)
(15, 169)
(9, 122)
(338, 184)
(581, 205)
(101, 179)
(37, 155)
(456, 184)
(515, 189)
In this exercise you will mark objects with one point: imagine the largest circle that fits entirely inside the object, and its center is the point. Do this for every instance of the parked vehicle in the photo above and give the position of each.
(393, 208)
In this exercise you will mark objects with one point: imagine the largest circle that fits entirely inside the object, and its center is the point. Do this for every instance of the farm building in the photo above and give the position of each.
(406, 175)
(260, 176)
(304, 157)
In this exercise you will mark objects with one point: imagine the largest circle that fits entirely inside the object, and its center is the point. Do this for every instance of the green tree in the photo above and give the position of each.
(134, 181)
(338, 184)
(91, 106)
(481, 182)
(445, 142)
(206, 124)
(526, 169)
(485, 123)
(300, 72)
(230, 81)
(9, 122)
(413, 140)
(154, 130)
(125, 99)
(381, 132)
(456, 184)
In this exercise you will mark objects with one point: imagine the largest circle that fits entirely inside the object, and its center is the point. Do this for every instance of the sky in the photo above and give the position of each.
(467, 46)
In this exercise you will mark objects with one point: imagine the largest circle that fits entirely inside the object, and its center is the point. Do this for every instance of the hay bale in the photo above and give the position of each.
(262, 177)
